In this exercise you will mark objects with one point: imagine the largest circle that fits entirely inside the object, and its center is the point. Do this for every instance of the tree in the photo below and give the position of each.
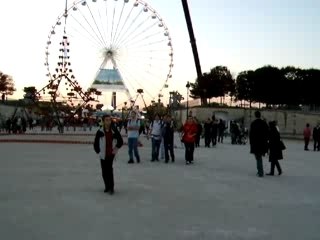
(220, 82)
(217, 83)
(6, 84)
(294, 83)
(267, 86)
(244, 86)
(311, 85)
(31, 94)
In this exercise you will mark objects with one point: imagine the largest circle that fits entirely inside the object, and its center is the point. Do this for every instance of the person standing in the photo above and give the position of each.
(207, 132)
(275, 151)
(258, 137)
(316, 138)
(306, 136)
(199, 132)
(221, 130)
(156, 136)
(168, 136)
(214, 132)
(189, 132)
(103, 145)
(133, 127)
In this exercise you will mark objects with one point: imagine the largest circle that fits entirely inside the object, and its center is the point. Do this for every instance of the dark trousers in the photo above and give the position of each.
(107, 172)
(275, 163)
(316, 145)
(207, 140)
(306, 143)
(198, 141)
(168, 147)
(259, 164)
(214, 140)
(189, 147)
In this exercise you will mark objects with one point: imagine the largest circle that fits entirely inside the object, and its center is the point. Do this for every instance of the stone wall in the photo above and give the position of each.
(6, 111)
(290, 122)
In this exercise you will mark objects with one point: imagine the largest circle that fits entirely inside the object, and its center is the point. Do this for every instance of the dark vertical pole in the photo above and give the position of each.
(192, 38)
(187, 103)
(188, 86)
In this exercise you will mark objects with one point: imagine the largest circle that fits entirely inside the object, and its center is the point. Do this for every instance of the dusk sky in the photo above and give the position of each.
(240, 34)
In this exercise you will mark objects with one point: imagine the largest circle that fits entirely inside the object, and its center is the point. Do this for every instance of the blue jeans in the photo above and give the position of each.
(155, 149)
(259, 164)
(133, 148)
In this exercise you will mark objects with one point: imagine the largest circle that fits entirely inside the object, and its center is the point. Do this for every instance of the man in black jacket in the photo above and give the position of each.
(259, 140)
(168, 136)
(316, 138)
(103, 145)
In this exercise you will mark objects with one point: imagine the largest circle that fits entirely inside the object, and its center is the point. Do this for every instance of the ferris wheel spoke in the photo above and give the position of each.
(115, 33)
(123, 73)
(139, 34)
(156, 80)
(123, 25)
(85, 18)
(128, 35)
(89, 36)
(120, 38)
(98, 29)
(143, 41)
(107, 23)
(112, 25)
(103, 25)
(128, 74)
(147, 57)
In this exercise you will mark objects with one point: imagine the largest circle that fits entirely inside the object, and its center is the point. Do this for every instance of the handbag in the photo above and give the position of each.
(282, 145)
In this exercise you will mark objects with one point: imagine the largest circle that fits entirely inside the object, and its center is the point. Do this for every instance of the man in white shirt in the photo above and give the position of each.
(156, 136)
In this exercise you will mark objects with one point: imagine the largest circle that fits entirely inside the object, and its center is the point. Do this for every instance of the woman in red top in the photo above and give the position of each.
(306, 136)
(189, 132)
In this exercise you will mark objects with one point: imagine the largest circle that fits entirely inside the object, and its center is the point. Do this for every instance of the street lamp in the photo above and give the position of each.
(188, 86)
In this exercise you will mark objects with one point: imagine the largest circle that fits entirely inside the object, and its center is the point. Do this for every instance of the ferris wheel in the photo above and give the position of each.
(113, 46)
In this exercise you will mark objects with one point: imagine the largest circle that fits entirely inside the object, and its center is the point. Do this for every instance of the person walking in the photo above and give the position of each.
(189, 132)
(306, 136)
(103, 145)
(258, 137)
(275, 150)
(168, 138)
(133, 127)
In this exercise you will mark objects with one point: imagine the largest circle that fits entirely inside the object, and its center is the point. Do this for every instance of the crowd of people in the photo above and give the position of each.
(264, 138)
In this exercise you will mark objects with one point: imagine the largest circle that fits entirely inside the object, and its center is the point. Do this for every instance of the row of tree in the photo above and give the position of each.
(268, 85)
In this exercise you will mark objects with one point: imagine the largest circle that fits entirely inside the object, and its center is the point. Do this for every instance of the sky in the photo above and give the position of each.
(239, 34)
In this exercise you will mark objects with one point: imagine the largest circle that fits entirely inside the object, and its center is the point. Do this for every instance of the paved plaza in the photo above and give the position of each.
(55, 192)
